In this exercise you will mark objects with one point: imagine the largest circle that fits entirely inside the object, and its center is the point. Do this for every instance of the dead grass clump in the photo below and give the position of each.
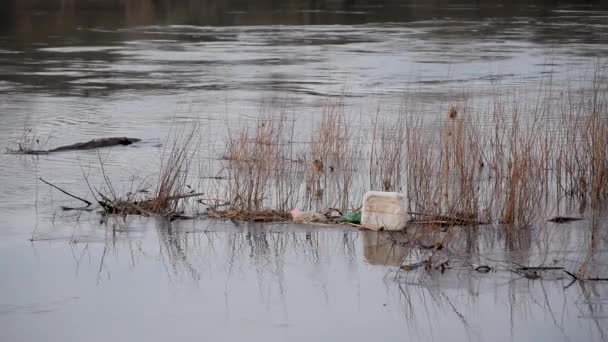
(250, 215)
(126, 206)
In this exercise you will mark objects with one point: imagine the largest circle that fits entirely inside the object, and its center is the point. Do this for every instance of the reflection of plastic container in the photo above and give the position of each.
(383, 210)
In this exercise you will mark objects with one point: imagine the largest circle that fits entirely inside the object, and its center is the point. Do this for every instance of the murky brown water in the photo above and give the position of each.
(76, 72)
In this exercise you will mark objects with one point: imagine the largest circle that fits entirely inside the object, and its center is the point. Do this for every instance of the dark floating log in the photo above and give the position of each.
(88, 145)
(97, 143)
(564, 219)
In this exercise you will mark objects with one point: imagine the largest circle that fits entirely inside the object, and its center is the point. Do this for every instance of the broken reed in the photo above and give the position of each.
(505, 165)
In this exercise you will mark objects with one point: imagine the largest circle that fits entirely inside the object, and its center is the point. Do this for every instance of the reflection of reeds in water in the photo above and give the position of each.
(265, 262)
(592, 264)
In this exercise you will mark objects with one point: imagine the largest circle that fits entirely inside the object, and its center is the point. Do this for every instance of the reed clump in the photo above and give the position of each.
(263, 169)
(499, 167)
(444, 166)
(171, 190)
(267, 172)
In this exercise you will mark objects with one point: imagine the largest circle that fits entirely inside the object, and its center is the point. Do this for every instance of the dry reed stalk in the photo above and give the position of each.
(461, 163)
(264, 169)
(443, 166)
(289, 171)
(521, 158)
(331, 160)
(423, 160)
(597, 128)
(174, 171)
(386, 158)
(250, 165)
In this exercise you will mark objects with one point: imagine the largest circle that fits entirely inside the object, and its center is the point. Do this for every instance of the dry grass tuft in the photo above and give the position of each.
(172, 187)
(172, 184)
(263, 167)
(250, 215)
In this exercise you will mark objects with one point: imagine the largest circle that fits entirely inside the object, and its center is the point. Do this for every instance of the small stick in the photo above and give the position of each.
(571, 274)
(65, 192)
(177, 197)
(85, 208)
(539, 268)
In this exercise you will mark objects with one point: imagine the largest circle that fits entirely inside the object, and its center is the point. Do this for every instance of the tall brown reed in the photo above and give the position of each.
(174, 171)
(263, 167)
(422, 160)
(331, 161)
(387, 152)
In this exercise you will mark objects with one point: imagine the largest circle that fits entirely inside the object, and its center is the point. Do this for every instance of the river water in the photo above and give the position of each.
(71, 71)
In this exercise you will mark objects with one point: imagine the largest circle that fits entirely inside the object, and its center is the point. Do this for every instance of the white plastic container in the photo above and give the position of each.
(383, 210)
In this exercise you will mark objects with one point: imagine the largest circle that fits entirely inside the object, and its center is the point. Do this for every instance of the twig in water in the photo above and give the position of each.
(65, 192)
(85, 208)
(177, 197)
(539, 268)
